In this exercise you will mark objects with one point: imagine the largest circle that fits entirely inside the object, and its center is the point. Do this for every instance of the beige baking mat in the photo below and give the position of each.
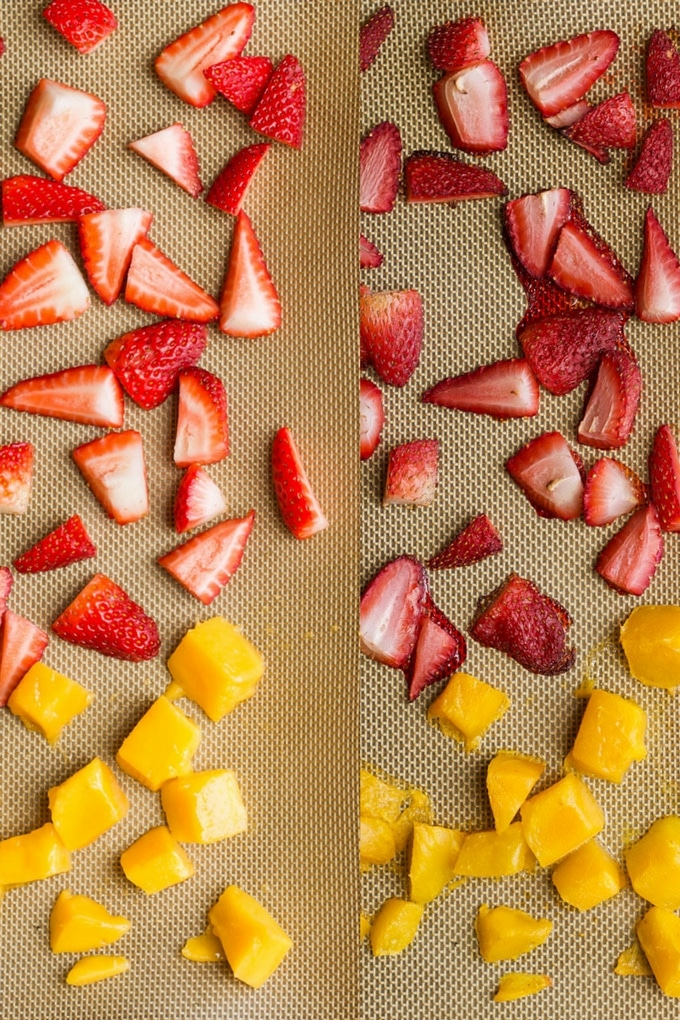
(294, 745)
(456, 258)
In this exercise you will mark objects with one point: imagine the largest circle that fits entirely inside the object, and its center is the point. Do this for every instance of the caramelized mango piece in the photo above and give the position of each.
(254, 944)
(651, 641)
(204, 807)
(517, 985)
(205, 948)
(504, 933)
(659, 935)
(47, 701)
(32, 856)
(653, 863)
(161, 745)
(395, 926)
(156, 861)
(560, 819)
(588, 876)
(492, 854)
(87, 804)
(376, 841)
(633, 962)
(434, 852)
(90, 969)
(610, 738)
(510, 779)
(78, 924)
(467, 707)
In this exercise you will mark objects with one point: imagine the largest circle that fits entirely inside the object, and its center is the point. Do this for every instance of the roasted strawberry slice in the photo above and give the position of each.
(229, 188)
(610, 411)
(89, 394)
(202, 431)
(155, 284)
(44, 287)
(372, 35)
(372, 417)
(584, 265)
(106, 242)
(533, 223)
(609, 125)
(22, 644)
(662, 71)
(557, 76)
(391, 611)
(27, 199)
(611, 490)
(59, 126)
(16, 480)
(550, 474)
(379, 168)
(630, 558)
(298, 505)
(654, 163)
(104, 617)
(664, 478)
(503, 389)
(370, 256)
(473, 107)
(83, 23)
(569, 115)
(439, 651)
(68, 543)
(563, 350)
(281, 110)
(241, 80)
(171, 150)
(198, 501)
(457, 44)
(147, 360)
(412, 470)
(439, 177)
(249, 302)
(391, 331)
(657, 287)
(114, 468)
(206, 562)
(475, 542)
(544, 298)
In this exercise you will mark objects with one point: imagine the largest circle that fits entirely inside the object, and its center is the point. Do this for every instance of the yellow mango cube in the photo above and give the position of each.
(395, 926)
(32, 856)
(653, 863)
(467, 707)
(204, 807)
(434, 852)
(651, 641)
(161, 745)
(610, 738)
(156, 861)
(560, 819)
(380, 799)
(493, 854)
(510, 779)
(87, 804)
(417, 809)
(78, 924)
(205, 948)
(517, 985)
(215, 666)
(47, 701)
(504, 933)
(658, 933)
(254, 944)
(376, 841)
(633, 962)
(90, 969)
(588, 876)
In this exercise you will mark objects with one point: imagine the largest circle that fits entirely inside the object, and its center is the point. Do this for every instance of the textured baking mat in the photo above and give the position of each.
(455, 256)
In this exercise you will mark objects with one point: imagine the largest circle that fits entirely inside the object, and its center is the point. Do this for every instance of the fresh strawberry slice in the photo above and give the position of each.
(412, 470)
(114, 468)
(652, 170)
(527, 625)
(229, 188)
(147, 360)
(372, 35)
(611, 490)
(584, 265)
(570, 115)
(6, 582)
(106, 242)
(171, 150)
(181, 64)
(155, 284)
(83, 23)
(298, 505)
(16, 479)
(503, 389)
(630, 558)
(391, 330)
(379, 168)
(198, 500)
(550, 474)
(533, 223)
(249, 302)
(89, 394)
(202, 431)
(664, 478)
(391, 611)
(59, 126)
(609, 125)
(440, 177)
(473, 107)
(558, 75)
(68, 543)
(22, 644)
(440, 650)
(457, 44)
(662, 71)
(475, 542)
(104, 617)
(206, 562)
(657, 286)
(370, 257)
(27, 199)
(372, 417)
(609, 414)
(241, 80)
(43, 288)
(280, 112)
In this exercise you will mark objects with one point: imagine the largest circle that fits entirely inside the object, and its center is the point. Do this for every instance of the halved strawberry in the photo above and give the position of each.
(370, 257)
(16, 479)
(372, 35)
(550, 474)
(391, 330)
(585, 265)
(657, 286)
(664, 478)
(147, 360)
(379, 168)
(229, 188)
(202, 431)
(473, 107)
(609, 414)
(83, 23)
(106, 242)
(181, 64)
(630, 558)
(206, 562)
(569, 115)
(662, 71)
(155, 284)
(533, 223)
(241, 80)
(199, 500)
(439, 651)
(171, 150)
(27, 199)
(473, 543)
(503, 389)
(412, 470)
(66, 544)
(558, 75)
(372, 417)
(44, 287)
(609, 125)
(249, 303)
(281, 110)
(59, 126)
(439, 177)
(104, 617)
(114, 468)
(391, 610)
(299, 507)
(89, 394)
(611, 490)
(654, 163)
(22, 644)
(456, 44)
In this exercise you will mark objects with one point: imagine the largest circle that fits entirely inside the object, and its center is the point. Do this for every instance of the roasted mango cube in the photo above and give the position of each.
(87, 804)
(658, 933)
(90, 969)
(47, 701)
(651, 641)
(395, 926)
(204, 807)
(215, 666)
(78, 924)
(161, 745)
(32, 856)
(560, 819)
(434, 852)
(492, 854)
(504, 933)
(156, 861)
(254, 944)
(517, 985)
(510, 779)
(588, 876)
(653, 863)
(466, 708)
(610, 738)
(205, 948)
(376, 841)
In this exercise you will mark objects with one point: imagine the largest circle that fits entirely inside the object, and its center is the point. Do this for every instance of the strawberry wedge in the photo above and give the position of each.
(241, 80)
(155, 284)
(609, 125)
(281, 109)
(391, 332)
(557, 76)
(372, 35)
(171, 150)
(43, 288)
(412, 470)
(473, 107)
(202, 430)
(229, 189)
(379, 168)
(391, 609)
(59, 126)
(27, 199)
(585, 266)
(657, 287)
(22, 644)
(439, 177)
(104, 618)
(630, 558)
(609, 414)
(550, 474)
(89, 394)
(372, 417)
(654, 164)
(16, 480)
(107, 239)
(85, 24)
(662, 71)
(475, 542)
(298, 505)
(147, 360)
(457, 44)
(503, 389)
(533, 224)
(198, 500)
(68, 543)
(206, 562)
(439, 651)
(249, 303)
(611, 490)
(563, 350)
(114, 468)
(664, 478)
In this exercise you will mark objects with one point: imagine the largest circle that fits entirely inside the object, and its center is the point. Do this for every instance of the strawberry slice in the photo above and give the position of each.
(298, 505)
(43, 288)
(475, 542)
(89, 394)
(533, 223)
(22, 644)
(205, 563)
(241, 80)
(372, 35)
(114, 468)
(664, 478)
(662, 71)
(611, 490)
(657, 286)
(229, 188)
(147, 360)
(379, 168)
(68, 543)
(544, 298)
(372, 417)
(391, 330)
(565, 349)
(27, 199)
(503, 389)
(439, 651)
(412, 470)
(457, 44)
(584, 265)
(16, 479)
(391, 611)
(473, 107)
(171, 150)
(630, 558)
(155, 284)
(181, 64)
(527, 625)
(370, 257)
(559, 75)
(106, 242)
(652, 170)
(439, 177)
(550, 474)
(202, 431)
(104, 617)
(249, 302)
(198, 500)
(610, 411)
(281, 110)
(565, 118)
(83, 23)
(609, 125)
(59, 126)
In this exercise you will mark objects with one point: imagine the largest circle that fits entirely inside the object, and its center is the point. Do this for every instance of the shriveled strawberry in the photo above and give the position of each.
(68, 543)
(44, 287)
(16, 479)
(609, 414)
(379, 168)
(391, 330)
(202, 431)
(155, 284)
(83, 23)
(585, 265)
(550, 474)
(299, 507)
(281, 111)
(662, 71)
(114, 468)
(457, 44)
(412, 471)
(533, 223)
(473, 543)
(370, 257)
(206, 562)
(664, 478)
(611, 490)
(630, 558)
(503, 389)
(249, 303)
(657, 286)
(106, 242)
(527, 625)
(473, 107)
(565, 118)
(171, 150)
(391, 611)
(372, 35)
(544, 298)
(652, 170)
(147, 360)
(440, 650)
(557, 76)
(439, 177)
(199, 500)
(89, 394)
(609, 125)
(228, 190)
(22, 644)
(27, 199)
(104, 617)
(241, 80)
(59, 126)
(372, 417)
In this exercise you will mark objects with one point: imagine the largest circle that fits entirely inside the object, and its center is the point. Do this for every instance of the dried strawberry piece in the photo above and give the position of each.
(654, 163)
(373, 34)
(565, 349)
(475, 542)
(440, 650)
(662, 70)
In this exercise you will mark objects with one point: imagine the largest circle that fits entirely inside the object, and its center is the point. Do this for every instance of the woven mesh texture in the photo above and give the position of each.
(455, 256)
(294, 746)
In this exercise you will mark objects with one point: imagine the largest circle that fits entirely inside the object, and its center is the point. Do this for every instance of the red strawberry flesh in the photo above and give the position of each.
(230, 187)
(662, 71)
(503, 389)
(89, 394)
(202, 431)
(657, 287)
(533, 223)
(372, 35)
(558, 75)
(550, 474)
(611, 490)
(391, 610)
(473, 107)
(83, 23)
(69, 543)
(241, 80)
(379, 168)
(652, 170)
(22, 644)
(372, 417)
(80, 117)
(391, 331)
(610, 125)
(475, 542)
(456, 44)
(281, 111)
(298, 505)
(585, 266)
(439, 651)
(630, 558)
(147, 360)
(27, 199)
(412, 471)
(664, 478)
(205, 563)
(609, 415)
(439, 177)
(16, 478)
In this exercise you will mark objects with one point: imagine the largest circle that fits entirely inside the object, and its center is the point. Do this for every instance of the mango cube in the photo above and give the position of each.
(90, 969)
(87, 804)
(588, 876)
(32, 856)
(205, 948)
(651, 641)
(504, 933)
(610, 738)
(78, 924)
(659, 935)
(510, 779)
(46, 700)
(653, 863)
(254, 944)
(492, 854)
(161, 745)
(379, 798)
(560, 819)
(467, 707)
(517, 985)
(395, 926)
(434, 852)
(156, 861)
(417, 809)
(376, 841)
(204, 807)
(215, 666)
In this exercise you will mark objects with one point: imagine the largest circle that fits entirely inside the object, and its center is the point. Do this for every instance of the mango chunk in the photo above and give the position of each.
(32, 856)
(379, 798)
(78, 924)
(87, 804)
(510, 779)
(560, 819)
(204, 807)
(395, 926)
(205, 948)
(588, 876)
(653, 863)
(651, 641)
(610, 738)
(517, 985)
(90, 969)
(633, 962)
(215, 666)
(254, 944)
(658, 933)
(46, 701)
(504, 933)
(434, 852)
(376, 841)
(156, 861)
(466, 708)
(417, 809)
(161, 745)
(492, 854)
